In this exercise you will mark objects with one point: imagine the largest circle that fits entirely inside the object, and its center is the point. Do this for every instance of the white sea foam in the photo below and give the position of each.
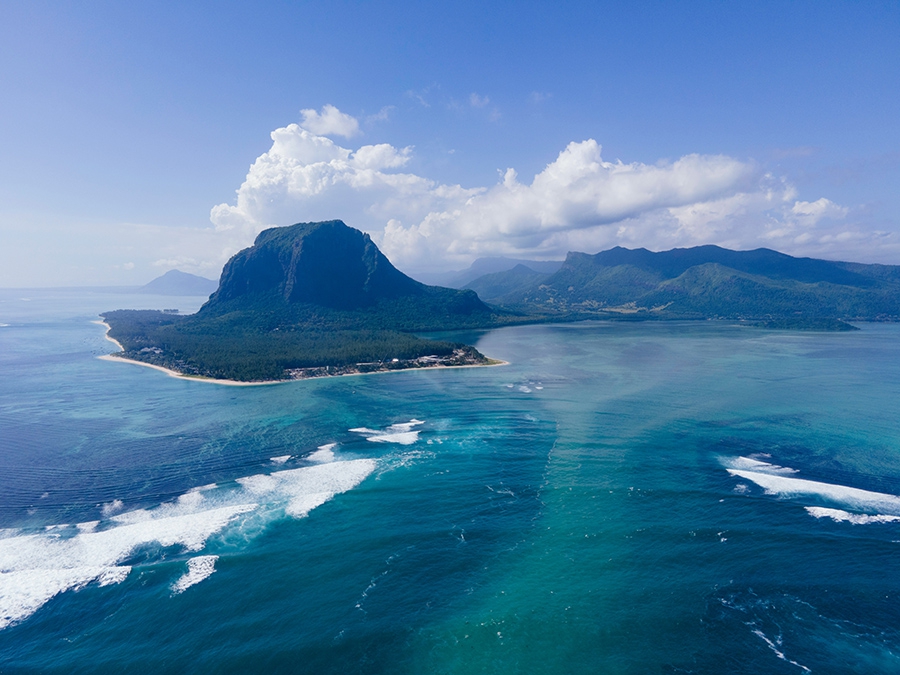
(23, 592)
(750, 464)
(35, 567)
(199, 568)
(324, 454)
(299, 507)
(775, 647)
(402, 433)
(844, 516)
(281, 459)
(776, 480)
(114, 506)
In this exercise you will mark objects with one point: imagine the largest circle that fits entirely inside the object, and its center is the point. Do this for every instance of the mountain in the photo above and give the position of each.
(701, 282)
(331, 268)
(176, 282)
(313, 298)
(512, 283)
(482, 266)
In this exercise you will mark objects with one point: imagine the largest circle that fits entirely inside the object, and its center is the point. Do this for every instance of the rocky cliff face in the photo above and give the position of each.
(333, 266)
(327, 264)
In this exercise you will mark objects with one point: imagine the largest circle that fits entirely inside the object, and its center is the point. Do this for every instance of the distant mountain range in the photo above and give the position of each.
(482, 266)
(700, 282)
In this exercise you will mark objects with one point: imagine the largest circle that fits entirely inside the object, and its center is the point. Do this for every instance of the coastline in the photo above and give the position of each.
(169, 371)
(106, 334)
(182, 376)
(237, 383)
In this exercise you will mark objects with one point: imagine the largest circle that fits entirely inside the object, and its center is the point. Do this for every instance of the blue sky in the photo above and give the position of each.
(126, 130)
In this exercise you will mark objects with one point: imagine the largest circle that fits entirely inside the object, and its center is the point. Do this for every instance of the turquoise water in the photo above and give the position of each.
(620, 498)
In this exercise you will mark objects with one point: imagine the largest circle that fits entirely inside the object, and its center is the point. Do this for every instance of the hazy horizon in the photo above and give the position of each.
(137, 142)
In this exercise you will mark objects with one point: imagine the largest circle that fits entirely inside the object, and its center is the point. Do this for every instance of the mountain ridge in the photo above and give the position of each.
(702, 282)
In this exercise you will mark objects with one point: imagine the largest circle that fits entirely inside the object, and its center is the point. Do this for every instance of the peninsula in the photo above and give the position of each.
(320, 299)
(313, 299)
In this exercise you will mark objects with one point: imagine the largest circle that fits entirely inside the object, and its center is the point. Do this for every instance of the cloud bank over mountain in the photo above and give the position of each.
(580, 201)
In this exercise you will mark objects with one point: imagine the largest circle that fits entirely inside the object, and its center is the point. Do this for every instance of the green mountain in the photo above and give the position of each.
(701, 282)
(313, 298)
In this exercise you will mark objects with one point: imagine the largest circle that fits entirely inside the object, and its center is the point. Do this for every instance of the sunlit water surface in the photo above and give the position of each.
(620, 498)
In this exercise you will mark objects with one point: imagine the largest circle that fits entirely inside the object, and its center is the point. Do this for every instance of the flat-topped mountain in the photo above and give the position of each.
(331, 269)
(310, 296)
(701, 282)
(326, 264)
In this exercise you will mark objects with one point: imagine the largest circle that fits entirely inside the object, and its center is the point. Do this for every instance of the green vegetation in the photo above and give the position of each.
(699, 283)
(321, 299)
(310, 296)
(194, 347)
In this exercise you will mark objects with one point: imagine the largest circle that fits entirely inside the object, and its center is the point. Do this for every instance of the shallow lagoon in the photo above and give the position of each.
(620, 498)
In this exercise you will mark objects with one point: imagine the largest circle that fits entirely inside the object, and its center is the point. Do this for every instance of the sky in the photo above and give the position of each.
(141, 137)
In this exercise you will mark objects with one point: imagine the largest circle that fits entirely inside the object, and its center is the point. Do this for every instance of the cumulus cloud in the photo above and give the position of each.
(808, 214)
(579, 201)
(306, 177)
(578, 191)
(330, 122)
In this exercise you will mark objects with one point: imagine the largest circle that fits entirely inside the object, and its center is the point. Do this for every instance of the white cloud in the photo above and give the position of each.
(330, 122)
(578, 191)
(477, 101)
(305, 177)
(578, 202)
(382, 115)
(808, 214)
(381, 156)
(420, 96)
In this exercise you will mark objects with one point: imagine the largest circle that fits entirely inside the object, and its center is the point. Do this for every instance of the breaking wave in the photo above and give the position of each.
(36, 566)
(199, 568)
(873, 507)
(401, 433)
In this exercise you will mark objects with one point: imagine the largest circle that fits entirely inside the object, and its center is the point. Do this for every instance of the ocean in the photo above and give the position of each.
(696, 497)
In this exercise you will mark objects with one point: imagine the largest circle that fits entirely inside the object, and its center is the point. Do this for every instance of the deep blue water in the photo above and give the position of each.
(620, 498)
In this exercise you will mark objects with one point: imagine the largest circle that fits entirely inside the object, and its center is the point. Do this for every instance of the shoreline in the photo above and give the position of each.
(182, 376)
(169, 371)
(238, 383)
(106, 334)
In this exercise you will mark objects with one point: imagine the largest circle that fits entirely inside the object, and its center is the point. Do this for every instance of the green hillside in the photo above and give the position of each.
(309, 296)
(702, 282)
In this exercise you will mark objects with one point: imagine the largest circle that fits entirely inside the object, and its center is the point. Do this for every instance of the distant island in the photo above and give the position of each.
(176, 282)
(308, 300)
(320, 299)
